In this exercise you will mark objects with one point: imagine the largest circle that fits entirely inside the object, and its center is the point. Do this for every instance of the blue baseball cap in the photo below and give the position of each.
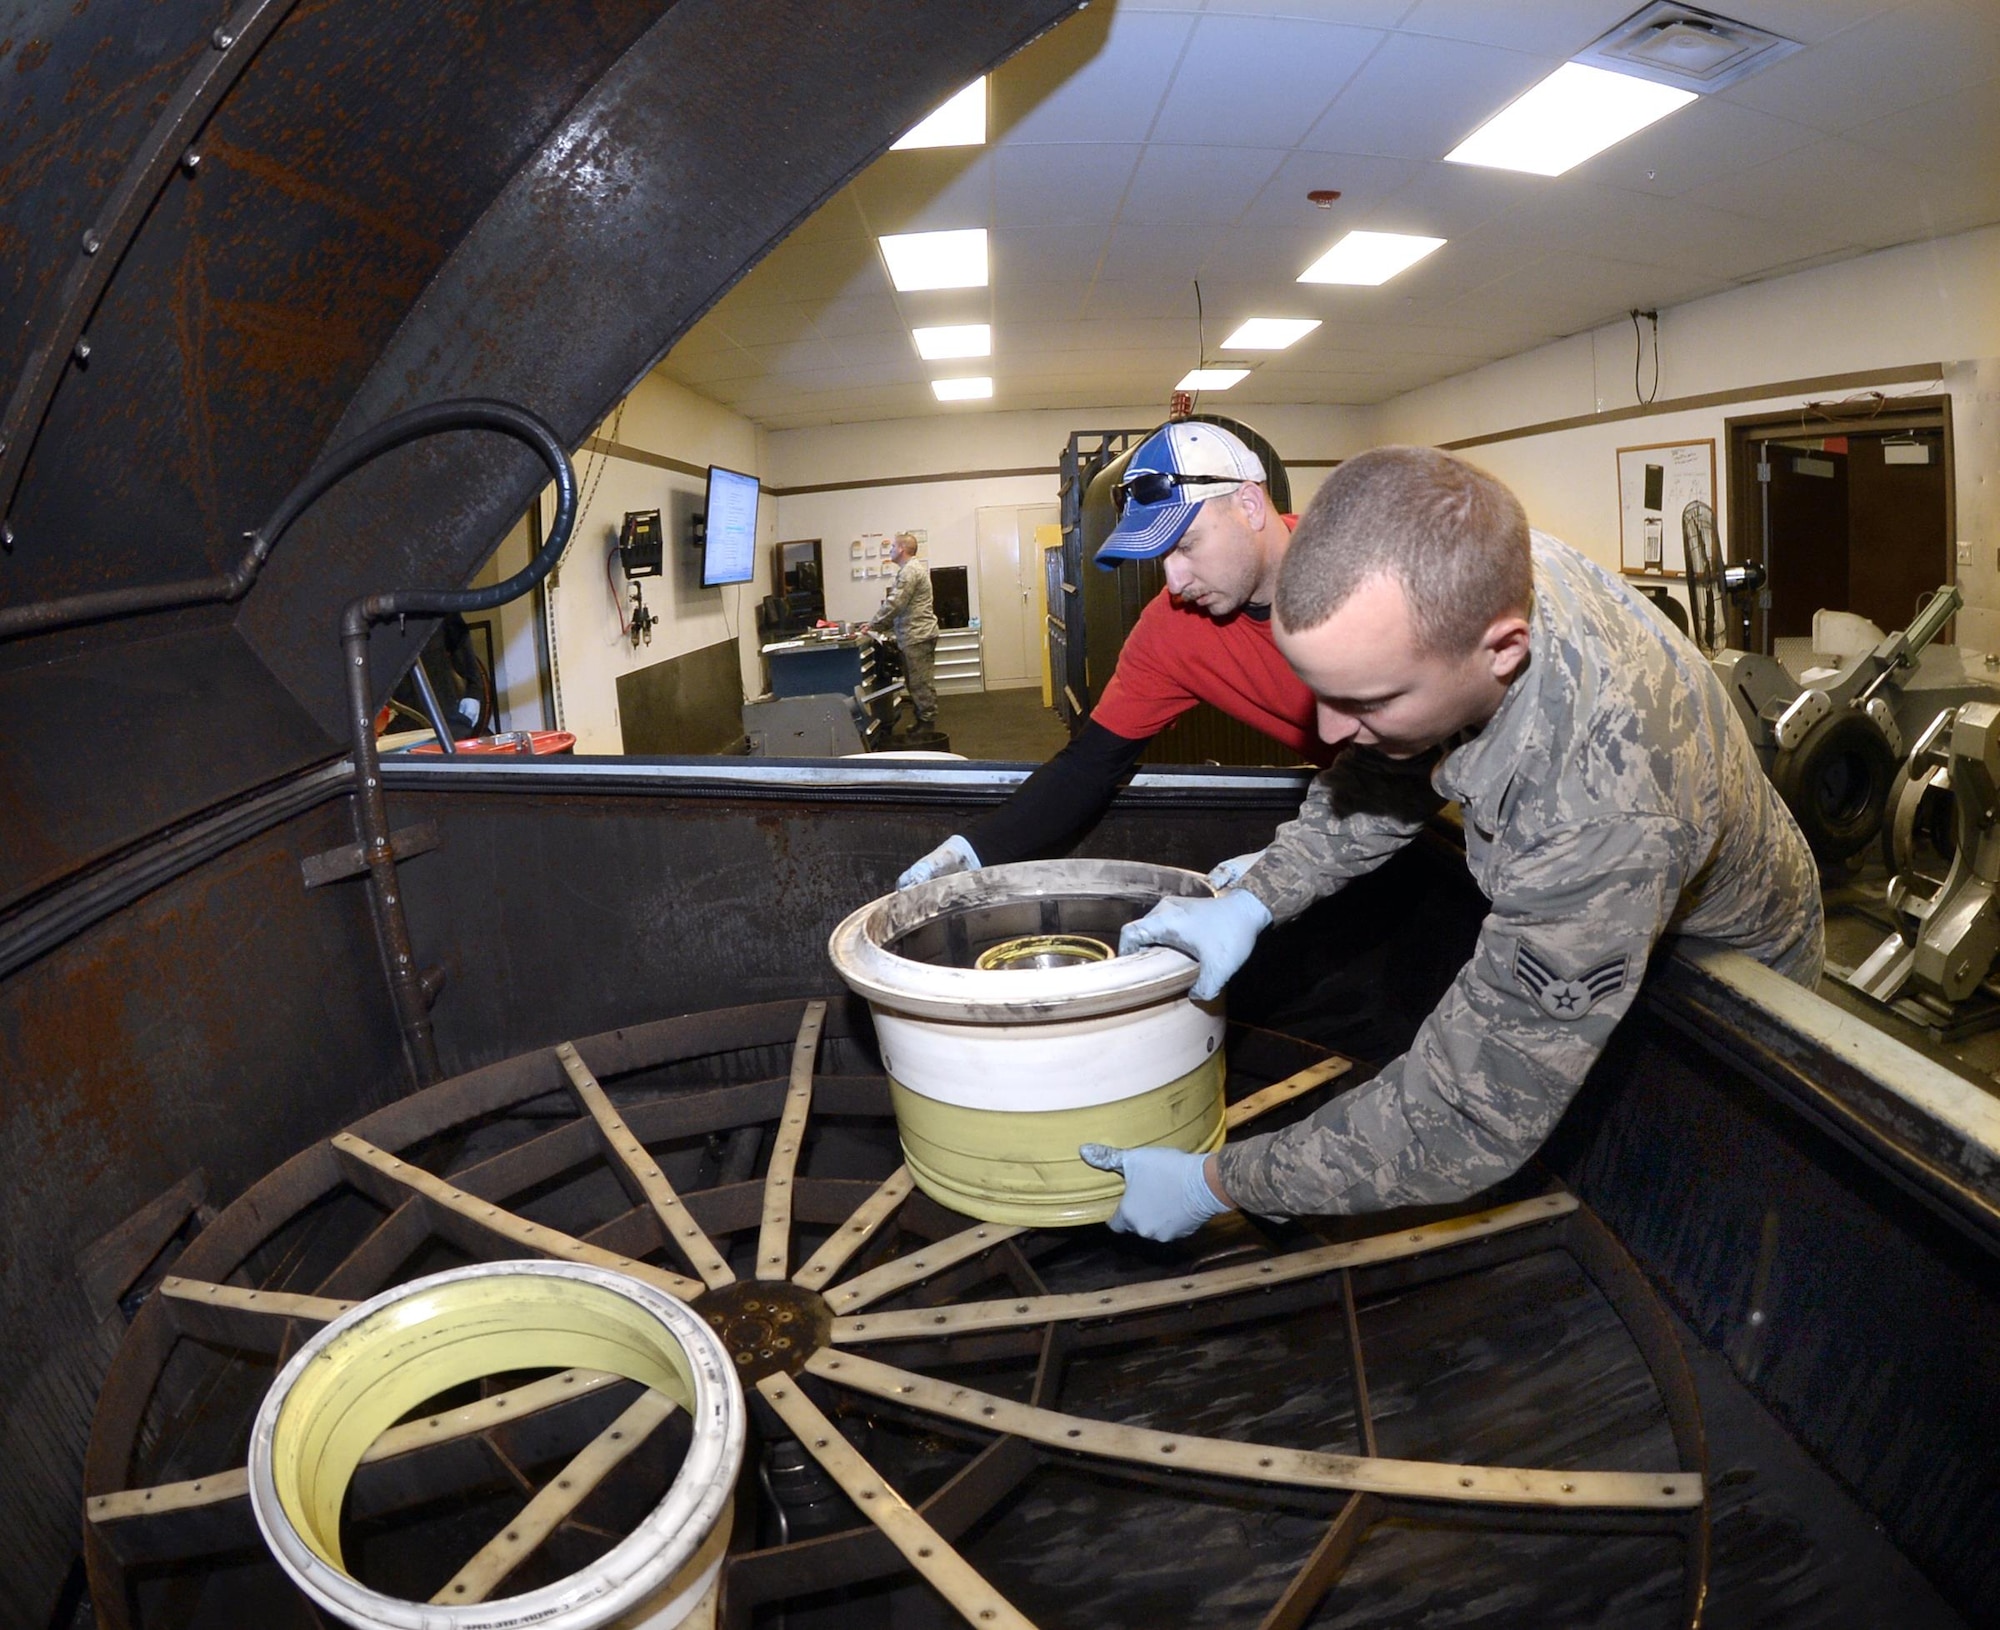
(1169, 476)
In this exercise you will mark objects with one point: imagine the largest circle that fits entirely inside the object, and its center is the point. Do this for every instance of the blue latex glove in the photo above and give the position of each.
(1230, 872)
(1217, 933)
(1166, 1193)
(953, 855)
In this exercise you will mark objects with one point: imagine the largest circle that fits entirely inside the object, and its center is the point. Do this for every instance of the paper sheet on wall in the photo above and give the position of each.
(1655, 484)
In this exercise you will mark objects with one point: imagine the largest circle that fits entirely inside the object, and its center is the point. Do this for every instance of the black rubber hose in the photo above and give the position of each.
(371, 811)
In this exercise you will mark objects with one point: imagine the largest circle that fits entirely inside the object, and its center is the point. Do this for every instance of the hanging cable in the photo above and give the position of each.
(617, 599)
(1642, 397)
(1200, 344)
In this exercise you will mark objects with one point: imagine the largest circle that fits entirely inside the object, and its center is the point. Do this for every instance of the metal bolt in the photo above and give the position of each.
(191, 161)
(222, 39)
(83, 350)
(92, 243)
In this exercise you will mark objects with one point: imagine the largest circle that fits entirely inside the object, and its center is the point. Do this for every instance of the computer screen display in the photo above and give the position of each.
(729, 545)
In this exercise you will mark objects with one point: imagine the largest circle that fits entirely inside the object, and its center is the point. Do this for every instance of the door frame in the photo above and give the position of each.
(1870, 414)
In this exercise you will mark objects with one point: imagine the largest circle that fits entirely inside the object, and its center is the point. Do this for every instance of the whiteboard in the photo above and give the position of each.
(1655, 483)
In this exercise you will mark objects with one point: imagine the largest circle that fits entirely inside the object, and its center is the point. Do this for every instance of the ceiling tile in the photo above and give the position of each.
(1259, 81)
(1061, 184)
(1170, 254)
(1444, 201)
(1177, 184)
(1700, 143)
(1956, 135)
(1892, 61)
(1356, 13)
(1872, 199)
(1570, 293)
(1268, 257)
(1360, 179)
(765, 324)
(1419, 98)
(1046, 254)
(1669, 232)
(1098, 236)
(1141, 297)
(1099, 77)
(1807, 21)
(931, 189)
(866, 314)
(1554, 28)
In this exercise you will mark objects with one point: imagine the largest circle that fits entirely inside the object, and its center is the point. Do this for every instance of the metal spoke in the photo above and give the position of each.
(856, 1232)
(553, 1503)
(1265, 1099)
(919, 1265)
(955, 1579)
(900, 1274)
(1014, 1312)
(476, 1224)
(645, 1174)
(1264, 1463)
(774, 1238)
(231, 1314)
(448, 1425)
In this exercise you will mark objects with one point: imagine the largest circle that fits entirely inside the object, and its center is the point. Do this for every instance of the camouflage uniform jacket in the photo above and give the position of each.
(909, 606)
(1614, 797)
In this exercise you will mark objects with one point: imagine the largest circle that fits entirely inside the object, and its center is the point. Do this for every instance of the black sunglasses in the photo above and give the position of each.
(1157, 486)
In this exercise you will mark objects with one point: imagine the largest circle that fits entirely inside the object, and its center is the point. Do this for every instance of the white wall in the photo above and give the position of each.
(589, 651)
(1924, 303)
(971, 440)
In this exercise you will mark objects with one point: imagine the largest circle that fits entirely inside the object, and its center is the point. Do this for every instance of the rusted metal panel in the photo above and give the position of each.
(219, 1022)
(116, 742)
(725, 125)
(396, 202)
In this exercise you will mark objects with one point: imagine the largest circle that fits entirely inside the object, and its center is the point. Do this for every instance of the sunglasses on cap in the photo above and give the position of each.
(1157, 486)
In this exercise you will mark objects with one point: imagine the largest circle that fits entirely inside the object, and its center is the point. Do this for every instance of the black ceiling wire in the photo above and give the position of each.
(1645, 398)
(1200, 343)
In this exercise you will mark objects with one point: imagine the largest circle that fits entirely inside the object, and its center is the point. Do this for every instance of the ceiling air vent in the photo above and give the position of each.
(1678, 45)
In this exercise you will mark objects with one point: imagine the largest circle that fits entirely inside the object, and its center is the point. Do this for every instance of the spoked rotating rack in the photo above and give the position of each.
(950, 1421)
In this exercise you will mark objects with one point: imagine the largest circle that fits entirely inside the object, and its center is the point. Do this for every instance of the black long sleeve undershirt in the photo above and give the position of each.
(1060, 802)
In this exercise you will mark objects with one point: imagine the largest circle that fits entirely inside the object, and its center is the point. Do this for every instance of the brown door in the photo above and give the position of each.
(1809, 553)
(1898, 551)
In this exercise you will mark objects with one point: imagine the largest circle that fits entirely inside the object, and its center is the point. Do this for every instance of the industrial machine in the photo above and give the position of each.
(1832, 744)
(1948, 809)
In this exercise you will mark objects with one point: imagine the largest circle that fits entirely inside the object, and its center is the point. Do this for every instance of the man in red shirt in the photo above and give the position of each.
(1194, 493)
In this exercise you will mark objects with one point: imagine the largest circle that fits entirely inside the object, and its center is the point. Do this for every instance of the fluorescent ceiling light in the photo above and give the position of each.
(961, 390)
(1211, 379)
(936, 260)
(1369, 258)
(961, 122)
(965, 340)
(1576, 112)
(1270, 333)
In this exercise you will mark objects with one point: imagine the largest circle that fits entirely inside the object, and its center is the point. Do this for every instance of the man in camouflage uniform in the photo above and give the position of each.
(1609, 796)
(909, 608)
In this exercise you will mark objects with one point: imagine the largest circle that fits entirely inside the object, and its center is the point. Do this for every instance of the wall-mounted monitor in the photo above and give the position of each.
(729, 533)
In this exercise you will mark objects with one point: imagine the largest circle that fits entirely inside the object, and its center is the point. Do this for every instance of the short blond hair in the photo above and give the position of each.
(1453, 539)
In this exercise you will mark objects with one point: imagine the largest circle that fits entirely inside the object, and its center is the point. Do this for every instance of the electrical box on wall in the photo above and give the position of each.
(640, 543)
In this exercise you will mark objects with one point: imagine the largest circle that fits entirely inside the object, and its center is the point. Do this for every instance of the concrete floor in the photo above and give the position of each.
(1008, 726)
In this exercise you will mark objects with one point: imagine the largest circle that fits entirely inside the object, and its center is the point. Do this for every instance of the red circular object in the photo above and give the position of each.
(544, 742)
(1325, 197)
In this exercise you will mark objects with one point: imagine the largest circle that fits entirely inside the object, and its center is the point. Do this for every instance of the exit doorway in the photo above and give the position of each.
(1845, 512)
